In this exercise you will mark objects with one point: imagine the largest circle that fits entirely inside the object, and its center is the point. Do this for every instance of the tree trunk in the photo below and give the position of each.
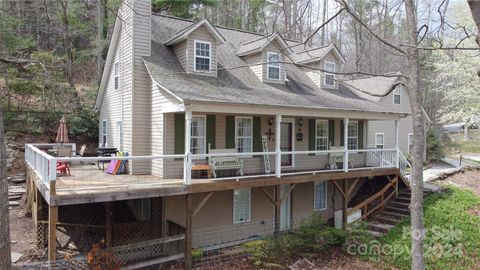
(5, 260)
(416, 182)
(324, 18)
(100, 32)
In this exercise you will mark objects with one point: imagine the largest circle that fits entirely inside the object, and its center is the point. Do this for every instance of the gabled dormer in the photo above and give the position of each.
(266, 57)
(196, 47)
(321, 64)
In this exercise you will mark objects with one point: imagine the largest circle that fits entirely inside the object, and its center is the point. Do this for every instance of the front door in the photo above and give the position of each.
(286, 141)
(285, 212)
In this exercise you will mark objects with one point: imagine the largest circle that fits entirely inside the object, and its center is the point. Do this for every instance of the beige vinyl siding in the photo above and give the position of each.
(254, 62)
(208, 231)
(388, 126)
(181, 52)
(111, 107)
(141, 85)
(201, 34)
(273, 47)
(173, 169)
(318, 76)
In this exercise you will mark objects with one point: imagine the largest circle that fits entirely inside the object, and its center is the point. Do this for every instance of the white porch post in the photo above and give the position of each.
(187, 162)
(397, 158)
(278, 155)
(345, 143)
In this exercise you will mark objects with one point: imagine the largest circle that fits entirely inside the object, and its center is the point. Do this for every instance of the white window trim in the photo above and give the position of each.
(201, 56)
(104, 143)
(315, 196)
(119, 135)
(269, 65)
(236, 132)
(249, 206)
(397, 94)
(290, 120)
(328, 73)
(204, 132)
(383, 139)
(351, 137)
(409, 141)
(317, 137)
(116, 75)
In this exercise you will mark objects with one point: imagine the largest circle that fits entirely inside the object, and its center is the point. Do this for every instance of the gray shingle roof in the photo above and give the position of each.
(372, 88)
(236, 83)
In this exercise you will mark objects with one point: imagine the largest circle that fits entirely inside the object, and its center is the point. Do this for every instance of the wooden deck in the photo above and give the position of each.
(88, 184)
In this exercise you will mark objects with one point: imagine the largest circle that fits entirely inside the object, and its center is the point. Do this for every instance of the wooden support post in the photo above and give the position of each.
(396, 185)
(345, 204)
(52, 232)
(292, 187)
(188, 232)
(277, 209)
(108, 224)
(272, 200)
(338, 188)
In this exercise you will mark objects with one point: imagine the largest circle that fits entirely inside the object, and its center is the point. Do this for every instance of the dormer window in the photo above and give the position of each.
(329, 79)
(273, 66)
(397, 96)
(202, 55)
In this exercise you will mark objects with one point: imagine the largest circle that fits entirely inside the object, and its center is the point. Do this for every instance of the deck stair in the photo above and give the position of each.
(393, 213)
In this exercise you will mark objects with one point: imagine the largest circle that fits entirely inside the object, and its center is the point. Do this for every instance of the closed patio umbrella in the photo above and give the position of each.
(62, 134)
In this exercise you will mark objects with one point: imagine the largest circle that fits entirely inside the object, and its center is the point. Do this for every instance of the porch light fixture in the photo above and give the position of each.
(300, 122)
(270, 121)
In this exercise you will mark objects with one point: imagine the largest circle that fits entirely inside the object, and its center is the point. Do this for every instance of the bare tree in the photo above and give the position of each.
(5, 260)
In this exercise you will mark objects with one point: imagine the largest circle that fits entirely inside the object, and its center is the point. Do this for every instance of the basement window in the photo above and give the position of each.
(241, 205)
(320, 201)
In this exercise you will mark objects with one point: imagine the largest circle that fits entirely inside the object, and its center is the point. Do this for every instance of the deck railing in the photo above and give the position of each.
(253, 164)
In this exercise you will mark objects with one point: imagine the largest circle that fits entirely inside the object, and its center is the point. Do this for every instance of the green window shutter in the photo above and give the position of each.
(230, 132)
(211, 123)
(179, 132)
(311, 135)
(360, 134)
(257, 134)
(342, 133)
(331, 132)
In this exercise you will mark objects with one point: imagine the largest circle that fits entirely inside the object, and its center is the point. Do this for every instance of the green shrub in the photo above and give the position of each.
(197, 254)
(434, 147)
(313, 236)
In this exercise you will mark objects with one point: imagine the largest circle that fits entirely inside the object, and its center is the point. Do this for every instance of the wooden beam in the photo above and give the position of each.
(108, 224)
(277, 209)
(345, 204)
(52, 232)
(288, 192)
(349, 192)
(188, 232)
(269, 196)
(338, 188)
(202, 203)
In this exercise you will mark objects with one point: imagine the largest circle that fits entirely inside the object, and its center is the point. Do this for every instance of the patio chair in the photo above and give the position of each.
(63, 167)
(335, 158)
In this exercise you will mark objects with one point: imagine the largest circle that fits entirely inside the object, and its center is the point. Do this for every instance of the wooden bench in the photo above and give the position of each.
(226, 162)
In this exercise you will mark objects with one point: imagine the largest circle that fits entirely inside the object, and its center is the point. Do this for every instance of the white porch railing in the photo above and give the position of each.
(403, 165)
(87, 170)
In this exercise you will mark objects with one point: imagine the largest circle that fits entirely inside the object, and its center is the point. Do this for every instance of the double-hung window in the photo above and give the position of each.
(104, 134)
(198, 131)
(329, 78)
(241, 205)
(410, 142)
(320, 198)
(397, 96)
(243, 134)
(379, 140)
(353, 135)
(117, 75)
(203, 52)
(273, 66)
(321, 135)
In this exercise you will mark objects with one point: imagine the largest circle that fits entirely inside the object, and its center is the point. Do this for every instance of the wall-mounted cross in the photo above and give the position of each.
(270, 134)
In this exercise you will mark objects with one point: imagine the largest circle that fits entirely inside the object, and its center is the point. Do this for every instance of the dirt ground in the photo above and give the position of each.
(22, 234)
(469, 179)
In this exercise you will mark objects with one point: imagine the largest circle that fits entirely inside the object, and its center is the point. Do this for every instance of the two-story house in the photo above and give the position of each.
(231, 134)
